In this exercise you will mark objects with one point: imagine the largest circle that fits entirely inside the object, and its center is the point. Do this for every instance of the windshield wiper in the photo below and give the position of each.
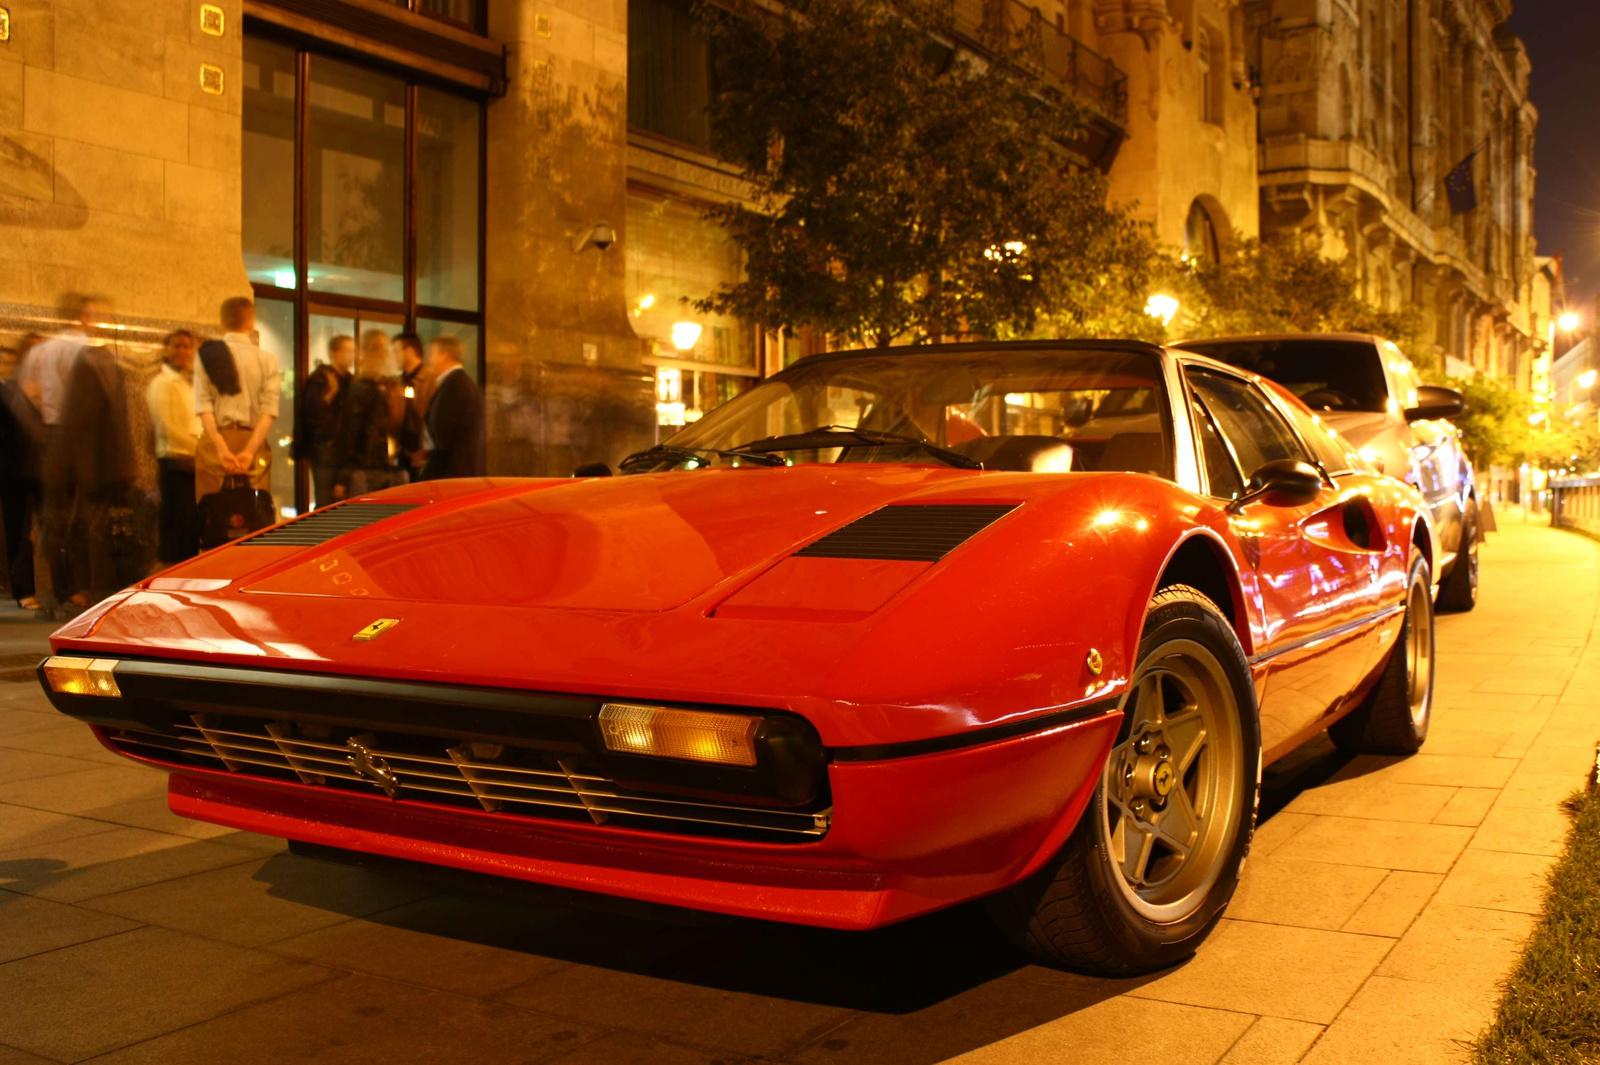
(693, 454)
(845, 436)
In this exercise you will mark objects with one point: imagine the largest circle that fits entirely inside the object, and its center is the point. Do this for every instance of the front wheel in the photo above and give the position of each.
(1394, 718)
(1153, 862)
(1459, 591)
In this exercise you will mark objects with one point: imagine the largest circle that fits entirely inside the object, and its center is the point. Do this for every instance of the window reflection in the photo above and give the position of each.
(447, 200)
(357, 145)
(267, 160)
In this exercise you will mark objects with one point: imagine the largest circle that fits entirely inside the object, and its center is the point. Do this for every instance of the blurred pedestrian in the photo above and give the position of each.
(21, 444)
(371, 425)
(96, 459)
(170, 397)
(417, 382)
(43, 378)
(236, 387)
(455, 416)
(321, 411)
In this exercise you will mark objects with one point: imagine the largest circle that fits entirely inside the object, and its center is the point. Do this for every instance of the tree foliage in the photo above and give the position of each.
(903, 191)
(1286, 286)
(1498, 429)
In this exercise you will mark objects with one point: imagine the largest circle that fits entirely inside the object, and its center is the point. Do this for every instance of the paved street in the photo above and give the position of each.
(1383, 900)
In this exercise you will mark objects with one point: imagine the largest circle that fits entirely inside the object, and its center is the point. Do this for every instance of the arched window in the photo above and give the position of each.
(1200, 235)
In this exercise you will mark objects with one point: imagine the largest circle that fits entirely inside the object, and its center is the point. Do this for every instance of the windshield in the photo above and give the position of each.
(1032, 410)
(1325, 374)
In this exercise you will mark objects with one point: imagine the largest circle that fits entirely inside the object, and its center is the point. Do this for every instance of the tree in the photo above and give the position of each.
(1505, 427)
(1285, 286)
(902, 191)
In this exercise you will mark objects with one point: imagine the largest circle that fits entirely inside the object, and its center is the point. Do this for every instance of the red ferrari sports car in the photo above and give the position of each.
(889, 632)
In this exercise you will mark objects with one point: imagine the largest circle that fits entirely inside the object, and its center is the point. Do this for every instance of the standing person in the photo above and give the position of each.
(455, 416)
(177, 431)
(417, 381)
(236, 395)
(43, 379)
(96, 458)
(21, 441)
(365, 448)
(321, 412)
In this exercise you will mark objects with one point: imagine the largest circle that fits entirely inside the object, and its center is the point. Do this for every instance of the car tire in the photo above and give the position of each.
(1458, 592)
(1394, 717)
(1100, 906)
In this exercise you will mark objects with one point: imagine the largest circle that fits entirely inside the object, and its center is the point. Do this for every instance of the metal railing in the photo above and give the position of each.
(1007, 26)
(1575, 504)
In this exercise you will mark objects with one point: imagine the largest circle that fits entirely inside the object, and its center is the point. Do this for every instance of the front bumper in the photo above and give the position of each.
(908, 837)
(903, 829)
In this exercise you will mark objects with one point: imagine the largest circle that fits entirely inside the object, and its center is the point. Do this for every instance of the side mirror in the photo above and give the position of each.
(1434, 401)
(592, 469)
(1282, 483)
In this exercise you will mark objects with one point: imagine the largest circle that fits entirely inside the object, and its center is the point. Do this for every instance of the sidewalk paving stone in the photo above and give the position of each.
(94, 997)
(1123, 1029)
(1273, 1041)
(1300, 974)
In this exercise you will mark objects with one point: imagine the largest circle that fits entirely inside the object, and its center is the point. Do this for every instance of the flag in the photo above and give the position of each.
(1461, 187)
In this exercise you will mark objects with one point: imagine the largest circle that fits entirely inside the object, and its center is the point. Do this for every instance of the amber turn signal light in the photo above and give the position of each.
(82, 676)
(695, 735)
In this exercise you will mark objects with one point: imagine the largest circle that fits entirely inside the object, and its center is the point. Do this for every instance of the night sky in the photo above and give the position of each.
(1562, 37)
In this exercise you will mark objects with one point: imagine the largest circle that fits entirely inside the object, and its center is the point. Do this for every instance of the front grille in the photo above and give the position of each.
(499, 778)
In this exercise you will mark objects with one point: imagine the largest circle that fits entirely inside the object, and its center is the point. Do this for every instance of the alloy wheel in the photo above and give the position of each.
(1173, 785)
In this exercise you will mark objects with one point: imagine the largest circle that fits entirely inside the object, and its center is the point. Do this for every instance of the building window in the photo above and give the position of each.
(1200, 240)
(362, 194)
(669, 72)
(1210, 90)
(466, 13)
(676, 256)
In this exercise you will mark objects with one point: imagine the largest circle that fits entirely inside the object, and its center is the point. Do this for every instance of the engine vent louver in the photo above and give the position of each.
(911, 532)
(320, 526)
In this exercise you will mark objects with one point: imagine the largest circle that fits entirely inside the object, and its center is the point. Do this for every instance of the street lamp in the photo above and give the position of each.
(1569, 322)
(1587, 378)
(1162, 307)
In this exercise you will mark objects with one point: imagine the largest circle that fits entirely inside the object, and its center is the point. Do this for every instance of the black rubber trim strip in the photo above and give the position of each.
(1328, 634)
(882, 752)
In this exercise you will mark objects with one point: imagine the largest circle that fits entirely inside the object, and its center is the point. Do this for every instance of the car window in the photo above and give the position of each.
(1222, 473)
(1246, 420)
(1326, 444)
(1325, 374)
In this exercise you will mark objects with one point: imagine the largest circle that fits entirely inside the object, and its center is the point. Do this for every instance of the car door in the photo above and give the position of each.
(1316, 580)
(1435, 448)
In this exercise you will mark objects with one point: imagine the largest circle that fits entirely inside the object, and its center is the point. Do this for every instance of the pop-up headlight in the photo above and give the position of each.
(82, 676)
(696, 735)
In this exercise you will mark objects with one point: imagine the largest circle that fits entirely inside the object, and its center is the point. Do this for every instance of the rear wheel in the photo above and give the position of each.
(1155, 858)
(1394, 718)
(1459, 591)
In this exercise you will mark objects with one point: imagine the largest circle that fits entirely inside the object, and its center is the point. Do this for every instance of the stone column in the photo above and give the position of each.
(565, 384)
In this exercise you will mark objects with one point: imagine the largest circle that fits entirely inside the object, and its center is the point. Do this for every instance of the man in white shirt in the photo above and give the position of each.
(236, 413)
(177, 431)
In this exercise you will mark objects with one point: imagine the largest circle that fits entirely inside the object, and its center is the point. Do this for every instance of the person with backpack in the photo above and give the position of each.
(236, 390)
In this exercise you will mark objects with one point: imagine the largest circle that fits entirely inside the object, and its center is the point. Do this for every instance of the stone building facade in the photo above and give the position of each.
(1365, 107)
(1187, 161)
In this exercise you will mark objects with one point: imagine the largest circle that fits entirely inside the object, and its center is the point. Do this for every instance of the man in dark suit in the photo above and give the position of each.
(455, 416)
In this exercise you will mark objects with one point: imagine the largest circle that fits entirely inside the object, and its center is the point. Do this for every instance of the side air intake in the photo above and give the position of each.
(912, 532)
(320, 526)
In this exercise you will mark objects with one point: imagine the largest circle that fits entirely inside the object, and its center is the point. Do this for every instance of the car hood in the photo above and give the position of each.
(646, 542)
(1358, 427)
